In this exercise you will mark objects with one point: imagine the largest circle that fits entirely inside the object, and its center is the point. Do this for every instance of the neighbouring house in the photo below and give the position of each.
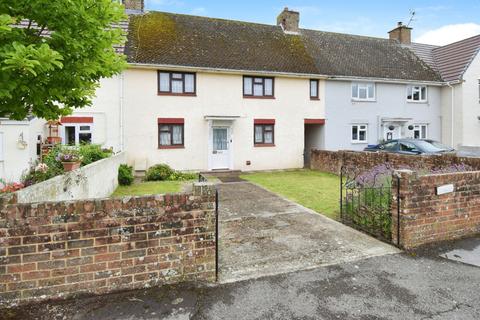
(459, 65)
(19, 146)
(206, 94)
(212, 94)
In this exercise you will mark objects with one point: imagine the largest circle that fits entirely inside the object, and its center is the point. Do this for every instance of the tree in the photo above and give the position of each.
(54, 52)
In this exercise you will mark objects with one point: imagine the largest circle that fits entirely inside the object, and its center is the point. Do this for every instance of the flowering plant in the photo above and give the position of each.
(11, 187)
(41, 167)
(69, 155)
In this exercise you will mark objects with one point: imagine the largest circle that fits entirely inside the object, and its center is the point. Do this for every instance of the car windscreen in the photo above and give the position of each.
(430, 147)
(439, 145)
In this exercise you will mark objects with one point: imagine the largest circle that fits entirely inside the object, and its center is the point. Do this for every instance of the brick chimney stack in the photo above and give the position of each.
(134, 5)
(402, 34)
(289, 21)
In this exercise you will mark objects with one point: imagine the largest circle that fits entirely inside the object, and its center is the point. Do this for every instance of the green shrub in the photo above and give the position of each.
(163, 172)
(159, 172)
(93, 152)
(125, 175)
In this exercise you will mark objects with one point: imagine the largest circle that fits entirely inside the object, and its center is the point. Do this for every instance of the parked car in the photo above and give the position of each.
(411, 146)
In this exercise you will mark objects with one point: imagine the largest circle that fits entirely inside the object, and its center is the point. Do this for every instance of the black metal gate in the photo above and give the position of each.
(366, 206)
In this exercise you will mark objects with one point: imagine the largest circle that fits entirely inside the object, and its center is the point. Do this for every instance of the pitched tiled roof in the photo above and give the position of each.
(424, 52)
(453, 60)
(174, 39)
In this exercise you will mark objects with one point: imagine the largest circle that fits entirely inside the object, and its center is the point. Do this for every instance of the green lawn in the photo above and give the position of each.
(316, 190)
(150, 187)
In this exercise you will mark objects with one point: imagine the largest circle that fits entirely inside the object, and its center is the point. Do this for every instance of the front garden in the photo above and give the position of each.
(158, 179)
(315, 190)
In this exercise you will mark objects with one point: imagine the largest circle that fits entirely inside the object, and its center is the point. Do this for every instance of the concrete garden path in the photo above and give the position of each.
(263, 234)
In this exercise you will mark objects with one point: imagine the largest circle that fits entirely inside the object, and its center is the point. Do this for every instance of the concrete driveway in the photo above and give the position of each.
(263, 234)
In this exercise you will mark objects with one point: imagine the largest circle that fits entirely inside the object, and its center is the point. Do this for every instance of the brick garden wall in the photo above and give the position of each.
(332, 161)
(426, 217)
(58, 249)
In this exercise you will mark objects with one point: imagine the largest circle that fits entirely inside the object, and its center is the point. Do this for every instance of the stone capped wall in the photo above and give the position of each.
(59, 249)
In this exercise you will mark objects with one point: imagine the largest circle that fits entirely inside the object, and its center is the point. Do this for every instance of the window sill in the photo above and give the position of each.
(171, 147)
(258, 97)
(314, 99)
(359, 142)
(177, 94)
(364, 100)
(261, 145)
(421, 102)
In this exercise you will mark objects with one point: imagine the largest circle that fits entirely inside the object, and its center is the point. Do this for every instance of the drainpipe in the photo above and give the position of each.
(121, 116)
(452, 112)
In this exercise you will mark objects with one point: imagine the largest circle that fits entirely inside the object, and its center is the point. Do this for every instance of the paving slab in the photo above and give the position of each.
(465, 251)
(264, 234)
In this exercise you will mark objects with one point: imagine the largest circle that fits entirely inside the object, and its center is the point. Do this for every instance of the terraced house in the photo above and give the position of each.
(212, 94)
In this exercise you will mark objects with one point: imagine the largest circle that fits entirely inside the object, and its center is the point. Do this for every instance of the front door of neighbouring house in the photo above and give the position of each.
(220, 157)
(392, 131)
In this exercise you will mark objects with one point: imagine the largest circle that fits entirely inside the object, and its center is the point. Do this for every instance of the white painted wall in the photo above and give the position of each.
(16, 157)
(217, 95)
(96, 180)
(105, 111)
(455, 91)
(471, 105)
(391, 102)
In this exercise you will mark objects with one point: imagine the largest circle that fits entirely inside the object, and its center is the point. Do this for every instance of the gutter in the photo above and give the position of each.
(287, 74)
(225, 70)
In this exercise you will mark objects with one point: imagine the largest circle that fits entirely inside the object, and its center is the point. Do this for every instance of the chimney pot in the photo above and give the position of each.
(289, 20)
(133, 5)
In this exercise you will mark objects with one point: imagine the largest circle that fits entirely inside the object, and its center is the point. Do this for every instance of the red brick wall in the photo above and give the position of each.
(332, 161)
(56, 249)
(426, 217)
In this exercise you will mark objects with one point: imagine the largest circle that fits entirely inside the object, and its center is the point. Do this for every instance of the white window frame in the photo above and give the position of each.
(359, 125)
(363, 85)
(77, 131)
(478, 90)
(418, 126)
(417, 88)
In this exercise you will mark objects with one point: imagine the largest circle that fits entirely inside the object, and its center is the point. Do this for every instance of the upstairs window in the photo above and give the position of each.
(314, 89)
(420, 131)
(417, 93)
(478, 90)
(170, 133)
(258, 87)
(359, 133)
(363, 91)
(176, 83)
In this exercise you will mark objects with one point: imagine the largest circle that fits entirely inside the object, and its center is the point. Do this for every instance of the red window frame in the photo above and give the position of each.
(263, 123)
(170, 123)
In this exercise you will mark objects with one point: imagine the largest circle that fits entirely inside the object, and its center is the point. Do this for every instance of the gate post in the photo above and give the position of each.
(400, 181)
(216, 234)
(341, 193)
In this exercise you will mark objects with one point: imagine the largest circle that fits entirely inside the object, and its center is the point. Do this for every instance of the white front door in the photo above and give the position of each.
(220, 157)
(392, 132)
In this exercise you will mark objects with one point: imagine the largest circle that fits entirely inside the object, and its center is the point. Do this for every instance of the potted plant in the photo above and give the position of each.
(70, 159)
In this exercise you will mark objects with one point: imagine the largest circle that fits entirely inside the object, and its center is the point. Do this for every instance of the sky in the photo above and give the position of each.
(435, 22)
